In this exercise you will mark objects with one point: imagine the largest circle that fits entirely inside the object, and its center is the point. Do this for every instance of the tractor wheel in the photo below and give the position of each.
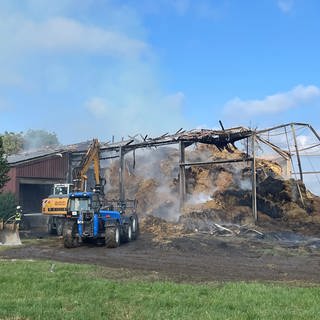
(112, 236)
(127, 236)
(70, 240)
(135, 227)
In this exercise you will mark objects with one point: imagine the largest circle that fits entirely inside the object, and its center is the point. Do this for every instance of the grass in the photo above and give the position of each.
(41, 290)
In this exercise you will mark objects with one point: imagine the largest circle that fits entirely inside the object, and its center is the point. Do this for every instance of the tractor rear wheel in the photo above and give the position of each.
(112, 236)
(127, 236)
(135, 227)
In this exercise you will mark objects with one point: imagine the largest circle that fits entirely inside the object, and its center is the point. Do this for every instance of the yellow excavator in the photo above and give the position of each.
(55, 206)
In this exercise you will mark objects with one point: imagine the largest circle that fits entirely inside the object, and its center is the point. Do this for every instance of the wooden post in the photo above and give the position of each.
(297, 151)
(182, 175)
(121, 176)
(254, 178)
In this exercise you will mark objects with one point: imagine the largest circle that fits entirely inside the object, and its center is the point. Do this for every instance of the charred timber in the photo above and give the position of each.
(214, 162)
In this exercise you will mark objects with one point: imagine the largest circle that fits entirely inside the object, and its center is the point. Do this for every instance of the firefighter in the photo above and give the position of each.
(18, 215)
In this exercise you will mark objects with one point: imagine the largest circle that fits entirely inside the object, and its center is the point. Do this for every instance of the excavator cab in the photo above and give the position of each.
(61, 189)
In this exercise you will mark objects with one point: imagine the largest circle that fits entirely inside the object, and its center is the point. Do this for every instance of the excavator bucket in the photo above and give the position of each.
(9, 233)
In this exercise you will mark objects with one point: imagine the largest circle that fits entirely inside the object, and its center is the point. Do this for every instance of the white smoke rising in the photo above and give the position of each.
(161, 165)
(39, 139)
(245, 184)
(151, 181)
(199, 198)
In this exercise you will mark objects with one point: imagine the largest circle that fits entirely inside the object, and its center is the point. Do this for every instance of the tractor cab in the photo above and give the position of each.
(83, 203)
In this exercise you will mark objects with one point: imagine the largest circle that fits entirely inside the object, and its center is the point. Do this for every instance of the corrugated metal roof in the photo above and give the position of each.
(47, 152)
(27, 156)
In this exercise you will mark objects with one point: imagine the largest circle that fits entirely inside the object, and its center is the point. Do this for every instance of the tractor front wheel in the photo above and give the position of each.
(70, 239)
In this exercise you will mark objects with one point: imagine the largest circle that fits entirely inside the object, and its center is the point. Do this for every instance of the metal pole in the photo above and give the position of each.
(295, 174)
(297, 151)
(254, 179)
(121, 175)
(182, 175)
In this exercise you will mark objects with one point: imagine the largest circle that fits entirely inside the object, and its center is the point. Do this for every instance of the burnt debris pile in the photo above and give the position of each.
(215, 193)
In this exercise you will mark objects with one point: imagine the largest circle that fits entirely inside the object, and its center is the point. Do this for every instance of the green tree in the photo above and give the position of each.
(12, 142)
(4, 167)
(35, 139)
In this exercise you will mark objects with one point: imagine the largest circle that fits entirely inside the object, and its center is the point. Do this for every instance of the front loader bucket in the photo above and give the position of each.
(9, 234)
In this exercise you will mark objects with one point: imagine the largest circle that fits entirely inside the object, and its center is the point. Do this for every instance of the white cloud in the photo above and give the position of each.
(144, 114)
(207, 9)
(97, 106)
(181, 6)
(68, 35)
(9, 78)
(175, 100)
(285, 5)
(5, 105)
(273, 104)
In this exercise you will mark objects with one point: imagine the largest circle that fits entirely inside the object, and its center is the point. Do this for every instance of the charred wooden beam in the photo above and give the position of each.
(254, 179)
(203, 163)
(281, 152)
(182, 175)
(297, 151)
(121, 176)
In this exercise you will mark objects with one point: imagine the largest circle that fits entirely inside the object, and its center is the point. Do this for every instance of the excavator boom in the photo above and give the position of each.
(79, 173)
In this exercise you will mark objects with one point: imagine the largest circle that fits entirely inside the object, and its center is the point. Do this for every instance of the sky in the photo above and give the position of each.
(98, 68)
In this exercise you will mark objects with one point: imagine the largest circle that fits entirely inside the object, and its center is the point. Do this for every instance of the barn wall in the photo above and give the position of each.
(46, 168)
(12, 185)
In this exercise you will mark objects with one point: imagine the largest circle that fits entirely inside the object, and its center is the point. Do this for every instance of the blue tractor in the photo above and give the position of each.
(89, 219)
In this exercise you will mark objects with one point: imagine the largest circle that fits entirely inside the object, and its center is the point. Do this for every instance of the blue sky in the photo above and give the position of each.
(97, 68)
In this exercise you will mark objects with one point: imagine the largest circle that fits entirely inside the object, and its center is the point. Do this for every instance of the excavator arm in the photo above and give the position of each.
(79, 173)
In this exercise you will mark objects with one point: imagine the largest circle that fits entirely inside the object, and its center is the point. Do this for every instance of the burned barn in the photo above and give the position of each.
(33, 174)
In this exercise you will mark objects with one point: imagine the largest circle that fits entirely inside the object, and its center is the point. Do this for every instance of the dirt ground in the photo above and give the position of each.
(195, 257)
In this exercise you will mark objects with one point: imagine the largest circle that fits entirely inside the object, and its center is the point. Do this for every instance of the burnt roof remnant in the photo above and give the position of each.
(224, 139)
(219, 138)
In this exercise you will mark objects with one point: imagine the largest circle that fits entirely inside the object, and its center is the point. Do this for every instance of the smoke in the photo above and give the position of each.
(200, 198)
(39, 139)
(245, 184)
(240, 177)
(151, 178)
(160, 168)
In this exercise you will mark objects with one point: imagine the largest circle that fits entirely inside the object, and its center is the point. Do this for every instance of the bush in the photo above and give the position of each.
(8, 205)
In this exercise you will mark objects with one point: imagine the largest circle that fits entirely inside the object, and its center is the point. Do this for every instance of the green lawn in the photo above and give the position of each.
(29, 290)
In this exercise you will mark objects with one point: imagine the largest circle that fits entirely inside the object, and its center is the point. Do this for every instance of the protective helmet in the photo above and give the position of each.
(18, 207)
